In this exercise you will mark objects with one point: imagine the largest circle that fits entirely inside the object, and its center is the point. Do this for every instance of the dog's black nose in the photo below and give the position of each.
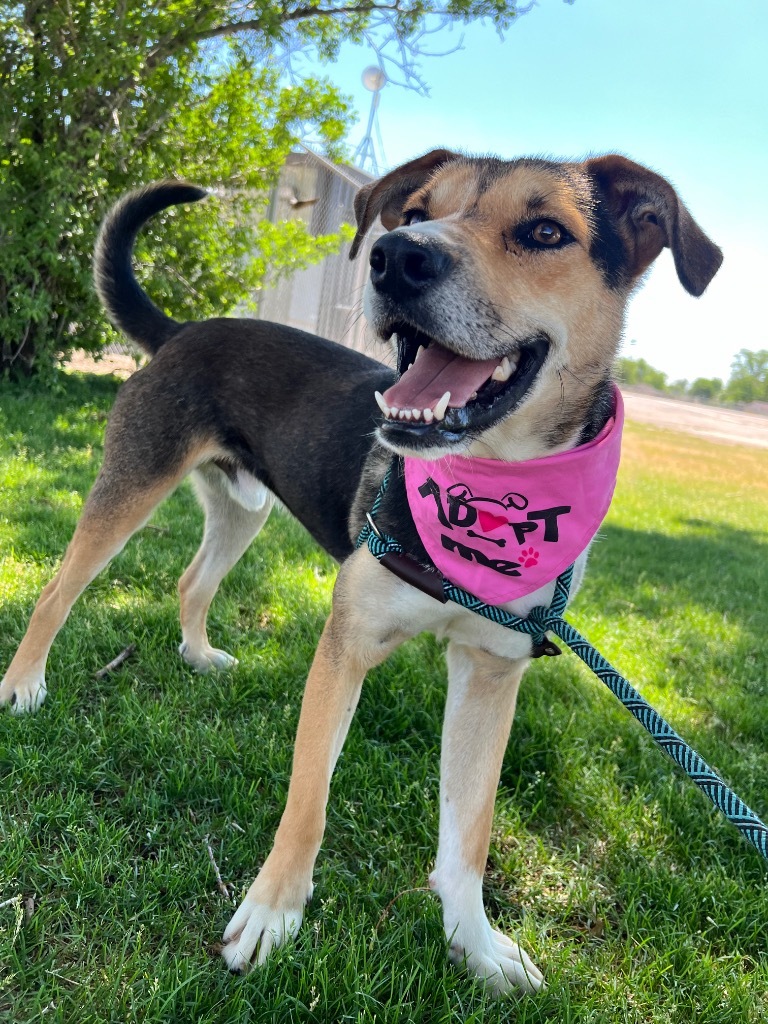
(402, 265)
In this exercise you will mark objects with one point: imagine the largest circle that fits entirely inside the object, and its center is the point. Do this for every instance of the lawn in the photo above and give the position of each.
(638, 900)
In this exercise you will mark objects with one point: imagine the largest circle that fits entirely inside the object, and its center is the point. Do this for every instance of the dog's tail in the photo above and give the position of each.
(127, 304)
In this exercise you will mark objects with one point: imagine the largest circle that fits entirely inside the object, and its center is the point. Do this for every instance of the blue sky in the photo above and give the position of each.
(679, 85)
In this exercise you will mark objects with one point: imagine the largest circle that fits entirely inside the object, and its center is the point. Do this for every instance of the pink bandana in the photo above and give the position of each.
(503, 529)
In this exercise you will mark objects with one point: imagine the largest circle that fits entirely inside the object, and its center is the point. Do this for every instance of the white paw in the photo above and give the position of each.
(205, 659)
(255, 925)
(502, 963)
(23, 694)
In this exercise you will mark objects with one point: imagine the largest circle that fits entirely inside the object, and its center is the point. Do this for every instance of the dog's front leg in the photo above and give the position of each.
(480, 706)
(350, 645)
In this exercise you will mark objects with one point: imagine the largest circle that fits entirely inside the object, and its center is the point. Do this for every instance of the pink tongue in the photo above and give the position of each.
(436, 371)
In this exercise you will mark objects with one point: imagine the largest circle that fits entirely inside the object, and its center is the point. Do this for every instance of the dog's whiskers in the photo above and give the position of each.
(562, 387)
(597, 375)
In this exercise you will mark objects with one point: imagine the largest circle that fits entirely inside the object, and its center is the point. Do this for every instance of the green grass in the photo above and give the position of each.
(638, 900)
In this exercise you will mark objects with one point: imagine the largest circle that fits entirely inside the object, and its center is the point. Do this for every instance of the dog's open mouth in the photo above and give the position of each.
(440, 396)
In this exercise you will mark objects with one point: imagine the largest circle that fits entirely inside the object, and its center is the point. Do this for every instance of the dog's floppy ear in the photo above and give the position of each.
(650, 215)
(385, 197)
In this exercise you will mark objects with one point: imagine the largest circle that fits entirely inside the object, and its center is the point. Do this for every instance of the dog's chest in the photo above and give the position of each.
(467, 627)
(390, 606)
(417, 612)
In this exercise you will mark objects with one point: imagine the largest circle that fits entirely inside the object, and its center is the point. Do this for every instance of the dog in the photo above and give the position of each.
(502, 285)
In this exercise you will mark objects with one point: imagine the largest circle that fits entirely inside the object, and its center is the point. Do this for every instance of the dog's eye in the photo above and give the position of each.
(544, 234)
(413, 217)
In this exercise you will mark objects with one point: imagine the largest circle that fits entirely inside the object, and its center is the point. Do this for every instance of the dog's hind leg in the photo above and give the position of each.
(236, 507)
(115, 509)
(480, 706)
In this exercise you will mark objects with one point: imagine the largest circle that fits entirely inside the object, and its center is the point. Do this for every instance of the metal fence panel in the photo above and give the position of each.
(326, 298)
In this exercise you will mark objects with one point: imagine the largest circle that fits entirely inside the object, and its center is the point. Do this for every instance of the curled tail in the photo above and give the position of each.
(128, 306)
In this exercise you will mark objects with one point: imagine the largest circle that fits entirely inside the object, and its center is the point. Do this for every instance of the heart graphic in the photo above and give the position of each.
(489, 522)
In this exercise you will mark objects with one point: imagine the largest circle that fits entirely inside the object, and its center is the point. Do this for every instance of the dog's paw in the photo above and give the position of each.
(23, 694)
(254, 931)
(206, 659)
(499, 961)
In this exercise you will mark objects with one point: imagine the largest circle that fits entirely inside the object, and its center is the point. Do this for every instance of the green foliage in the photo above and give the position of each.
(706, 388)
(749, 377)
(678, 387)
(638, 371)
(748, 381)
(96, 102)
(100, 96)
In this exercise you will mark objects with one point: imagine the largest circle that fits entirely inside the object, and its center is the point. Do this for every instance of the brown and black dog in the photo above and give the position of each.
(524, 266)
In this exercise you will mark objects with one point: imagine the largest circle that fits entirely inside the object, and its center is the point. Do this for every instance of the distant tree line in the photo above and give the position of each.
(747, 383)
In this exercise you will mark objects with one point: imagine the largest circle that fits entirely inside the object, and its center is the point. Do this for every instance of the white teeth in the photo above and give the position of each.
(442, 405)
(406, 415)
(504, 370)
(419, 350)
(473, 396)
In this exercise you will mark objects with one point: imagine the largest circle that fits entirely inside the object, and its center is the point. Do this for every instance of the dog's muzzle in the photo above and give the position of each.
(405, 266)
(440, 394)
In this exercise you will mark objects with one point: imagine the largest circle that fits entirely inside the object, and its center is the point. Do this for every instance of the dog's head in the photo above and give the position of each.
(504, 285)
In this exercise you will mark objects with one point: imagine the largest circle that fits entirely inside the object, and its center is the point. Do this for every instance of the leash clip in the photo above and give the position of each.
(545, 648)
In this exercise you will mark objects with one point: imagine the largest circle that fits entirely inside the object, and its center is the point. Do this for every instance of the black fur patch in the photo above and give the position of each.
(129, 307)
(607, 250)
(600, 409)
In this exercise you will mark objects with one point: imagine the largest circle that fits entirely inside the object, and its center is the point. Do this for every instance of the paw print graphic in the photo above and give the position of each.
(529, 557)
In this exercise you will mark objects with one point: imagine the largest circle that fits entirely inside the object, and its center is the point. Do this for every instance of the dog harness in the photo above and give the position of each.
(541, 620)
(505, 529)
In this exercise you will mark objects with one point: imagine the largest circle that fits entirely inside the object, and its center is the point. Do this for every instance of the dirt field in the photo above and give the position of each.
(723, 425)
(121, 366)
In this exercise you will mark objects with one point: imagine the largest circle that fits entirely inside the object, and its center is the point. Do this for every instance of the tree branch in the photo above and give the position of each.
(258, 24)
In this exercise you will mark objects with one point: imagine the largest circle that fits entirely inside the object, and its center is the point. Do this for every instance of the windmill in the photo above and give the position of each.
(374, 79)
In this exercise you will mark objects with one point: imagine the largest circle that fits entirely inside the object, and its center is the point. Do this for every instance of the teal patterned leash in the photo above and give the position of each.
(541, 620)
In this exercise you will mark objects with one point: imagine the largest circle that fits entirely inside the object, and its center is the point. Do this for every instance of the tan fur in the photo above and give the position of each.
(93, 545)
(559, 292)
(499, 295)
(482, 693)
(116, 508)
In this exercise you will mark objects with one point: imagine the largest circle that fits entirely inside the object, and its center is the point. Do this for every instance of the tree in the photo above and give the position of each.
(708, 389)
(100, 96)
(678, 388)
(639, 371)
(749, 377)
